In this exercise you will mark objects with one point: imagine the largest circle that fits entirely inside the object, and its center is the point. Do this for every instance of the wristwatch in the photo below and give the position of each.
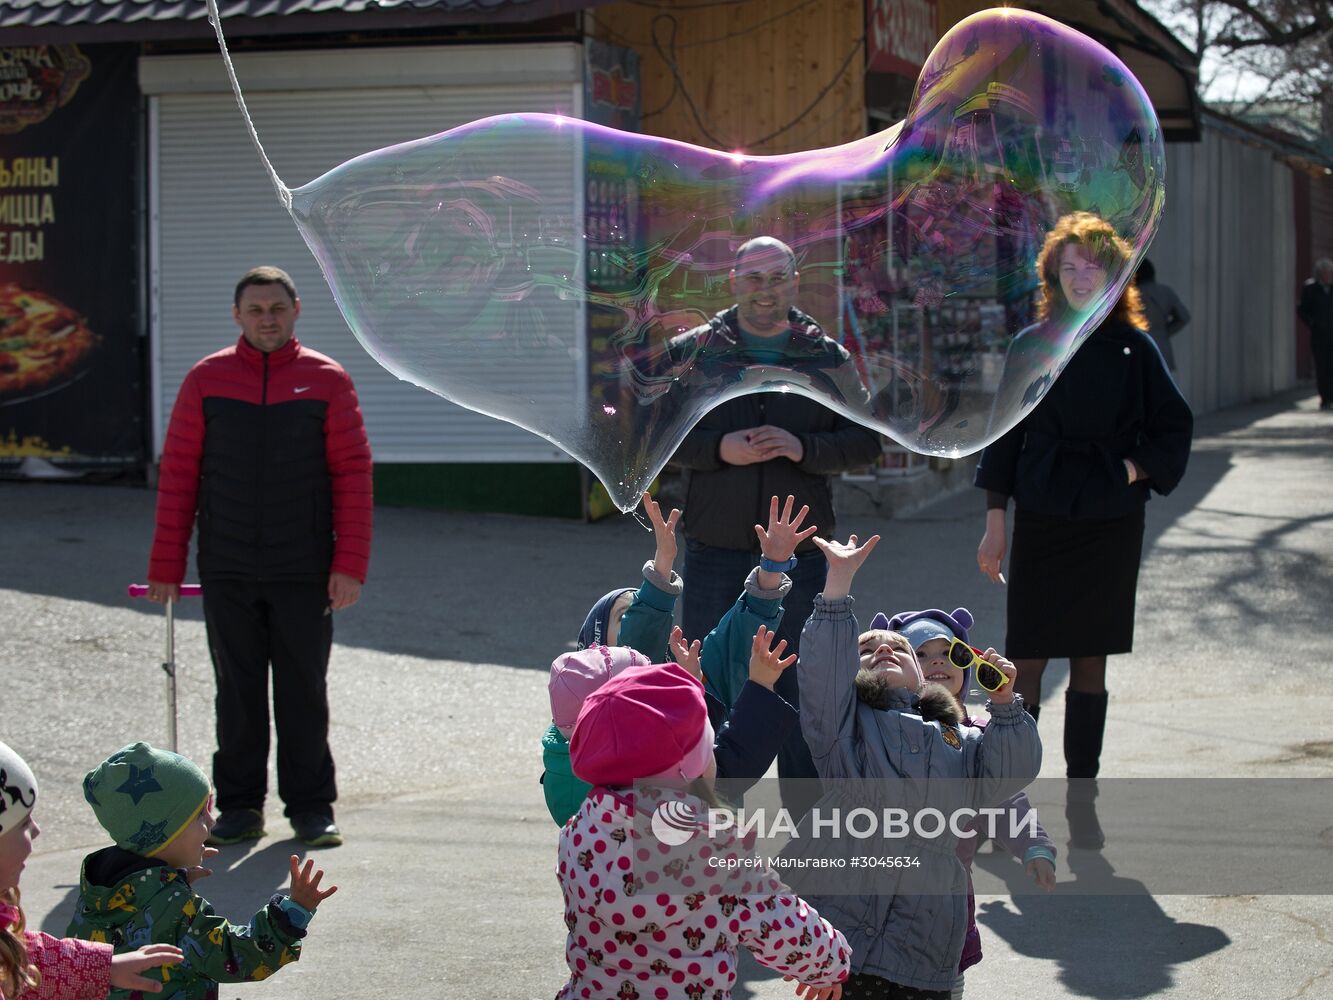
(769, 566)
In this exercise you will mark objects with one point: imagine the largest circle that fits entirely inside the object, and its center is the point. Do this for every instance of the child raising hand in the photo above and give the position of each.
(157, 807)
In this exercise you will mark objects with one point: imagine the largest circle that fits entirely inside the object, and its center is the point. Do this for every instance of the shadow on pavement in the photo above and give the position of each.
(1107, 936)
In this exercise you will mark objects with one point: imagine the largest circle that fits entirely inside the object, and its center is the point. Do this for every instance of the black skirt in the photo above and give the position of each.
(1072, 584)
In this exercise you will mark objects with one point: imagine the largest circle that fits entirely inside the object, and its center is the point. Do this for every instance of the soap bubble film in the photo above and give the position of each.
(481, 274)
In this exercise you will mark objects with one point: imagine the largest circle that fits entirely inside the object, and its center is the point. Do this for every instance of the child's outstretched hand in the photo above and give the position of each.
(686, 653)
(807, 992)
(305, 886)
(767, 664)
(125, 968)
(1042, 872)
(194, 873)
(844, 559)
(784, 532)
(665, 534)
(1005, 695)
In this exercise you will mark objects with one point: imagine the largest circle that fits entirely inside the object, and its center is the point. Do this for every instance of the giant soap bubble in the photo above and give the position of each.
(480, 274)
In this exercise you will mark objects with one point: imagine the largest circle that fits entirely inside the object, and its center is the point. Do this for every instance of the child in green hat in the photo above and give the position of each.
(158, 808)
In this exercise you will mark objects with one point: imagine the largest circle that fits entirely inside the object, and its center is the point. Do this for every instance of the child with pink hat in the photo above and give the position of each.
(657, 901)
(750, 719)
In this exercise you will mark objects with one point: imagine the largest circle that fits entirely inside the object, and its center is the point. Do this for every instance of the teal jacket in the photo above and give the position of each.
(744, 743)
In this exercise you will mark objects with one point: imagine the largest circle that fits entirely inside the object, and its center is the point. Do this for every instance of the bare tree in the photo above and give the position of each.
(1260, 56)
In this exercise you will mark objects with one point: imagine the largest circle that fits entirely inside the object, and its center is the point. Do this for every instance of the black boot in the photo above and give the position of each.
(1085, 724)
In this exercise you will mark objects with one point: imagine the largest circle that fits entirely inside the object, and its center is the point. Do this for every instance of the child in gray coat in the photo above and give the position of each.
(862, 714)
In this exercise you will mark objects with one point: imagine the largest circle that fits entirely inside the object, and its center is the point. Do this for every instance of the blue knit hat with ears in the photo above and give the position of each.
(931, 619)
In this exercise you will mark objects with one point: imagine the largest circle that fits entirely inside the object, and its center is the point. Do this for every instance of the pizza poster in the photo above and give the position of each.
(71, 369)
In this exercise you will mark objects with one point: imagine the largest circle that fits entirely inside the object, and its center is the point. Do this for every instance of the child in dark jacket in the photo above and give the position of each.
(752, 721)
(932, 634)
(158, 808)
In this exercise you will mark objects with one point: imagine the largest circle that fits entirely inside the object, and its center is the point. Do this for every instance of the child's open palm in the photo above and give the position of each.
(844, 559)
(305, 885)
(766, 660)
(125, 968)
(686, 653)
(784, 532)
(807, 992)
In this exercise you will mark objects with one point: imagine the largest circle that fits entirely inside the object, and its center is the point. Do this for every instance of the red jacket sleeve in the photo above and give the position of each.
(347, 452)
(71, 969)
(178, 485)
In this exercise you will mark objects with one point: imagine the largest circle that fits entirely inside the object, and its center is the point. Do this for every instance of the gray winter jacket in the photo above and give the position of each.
(905, 925)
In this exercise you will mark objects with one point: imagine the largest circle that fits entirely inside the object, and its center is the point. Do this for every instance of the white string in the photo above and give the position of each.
(284, 192)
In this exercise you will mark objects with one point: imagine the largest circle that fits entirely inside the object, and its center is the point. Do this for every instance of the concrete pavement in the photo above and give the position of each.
(438, 696)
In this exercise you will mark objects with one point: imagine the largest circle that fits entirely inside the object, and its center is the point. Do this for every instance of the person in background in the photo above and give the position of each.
(1316, 312)
(267, 450)
(761, 445)
(1162, 307)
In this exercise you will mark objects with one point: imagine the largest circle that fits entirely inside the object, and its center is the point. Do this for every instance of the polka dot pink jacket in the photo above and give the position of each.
(650, 920)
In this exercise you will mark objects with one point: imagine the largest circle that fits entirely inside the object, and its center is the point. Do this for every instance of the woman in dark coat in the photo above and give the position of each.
(1110, 429)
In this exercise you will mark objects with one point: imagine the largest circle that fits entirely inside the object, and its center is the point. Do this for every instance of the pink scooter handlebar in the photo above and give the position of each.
(187, 590)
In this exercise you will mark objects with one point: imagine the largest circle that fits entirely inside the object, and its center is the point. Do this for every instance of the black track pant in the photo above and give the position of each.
(251, 625)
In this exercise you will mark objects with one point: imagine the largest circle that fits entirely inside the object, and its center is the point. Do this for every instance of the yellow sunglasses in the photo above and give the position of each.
(988, 676)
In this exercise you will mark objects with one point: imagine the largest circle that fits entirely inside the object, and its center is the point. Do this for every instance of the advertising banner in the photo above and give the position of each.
(70, 363)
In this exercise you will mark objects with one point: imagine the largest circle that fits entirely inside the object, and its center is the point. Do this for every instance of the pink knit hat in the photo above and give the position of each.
(574, 676)
(647, 724)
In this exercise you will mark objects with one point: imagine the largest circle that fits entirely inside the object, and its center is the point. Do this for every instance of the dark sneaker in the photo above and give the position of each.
(316, 830)
(237, 825)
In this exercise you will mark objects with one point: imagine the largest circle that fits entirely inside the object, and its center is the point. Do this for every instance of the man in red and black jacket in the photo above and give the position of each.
(266, 447)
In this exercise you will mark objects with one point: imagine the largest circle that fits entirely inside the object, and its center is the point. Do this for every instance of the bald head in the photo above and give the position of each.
(764, 282)
(767, 248)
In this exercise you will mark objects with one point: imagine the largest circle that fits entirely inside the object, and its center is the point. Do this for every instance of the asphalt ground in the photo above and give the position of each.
(438, 698)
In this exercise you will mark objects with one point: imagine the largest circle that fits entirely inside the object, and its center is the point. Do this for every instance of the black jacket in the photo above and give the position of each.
(723, 502)
(1114, 400)
(1316, 308)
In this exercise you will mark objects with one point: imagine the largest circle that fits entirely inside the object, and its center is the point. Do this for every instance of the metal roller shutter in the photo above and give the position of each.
(214, 213)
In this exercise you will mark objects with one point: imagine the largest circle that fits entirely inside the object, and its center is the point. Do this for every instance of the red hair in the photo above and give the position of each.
(1099, 242)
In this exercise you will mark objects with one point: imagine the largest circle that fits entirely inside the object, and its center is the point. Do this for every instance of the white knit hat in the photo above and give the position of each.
(18, 789)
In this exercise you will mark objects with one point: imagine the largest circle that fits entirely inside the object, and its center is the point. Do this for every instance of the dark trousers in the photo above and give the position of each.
(714, 578)
(1321, 347)
(251, 625)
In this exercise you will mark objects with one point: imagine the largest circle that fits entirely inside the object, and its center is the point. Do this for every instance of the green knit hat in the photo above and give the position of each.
(144, 797)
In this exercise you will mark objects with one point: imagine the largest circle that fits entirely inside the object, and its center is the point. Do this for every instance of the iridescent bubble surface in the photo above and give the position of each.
(464, 268)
